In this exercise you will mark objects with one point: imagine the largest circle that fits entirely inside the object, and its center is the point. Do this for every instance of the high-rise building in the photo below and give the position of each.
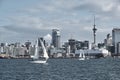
(86, 44)
(116, 40)
(108, 40)
(108, 43)
(72, 43)
(82, 45)
(56, 38)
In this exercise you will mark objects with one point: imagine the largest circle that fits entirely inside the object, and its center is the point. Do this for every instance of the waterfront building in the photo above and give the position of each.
(12, 47)
(108, 40)
(27, 44)
(116, 40)
(2, 46)
(31, 50)
(7, 50)
(86, 44)
(2, 49)
(72, 44)
(118, 47)
(82, 44)
(108, 43)
(65, 46)
(79, 45)
(56, 38)
(56, 53)
(101, 45)
(17, 44)
(20, 52)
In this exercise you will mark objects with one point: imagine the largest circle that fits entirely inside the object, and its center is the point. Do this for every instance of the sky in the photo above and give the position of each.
(22, 20)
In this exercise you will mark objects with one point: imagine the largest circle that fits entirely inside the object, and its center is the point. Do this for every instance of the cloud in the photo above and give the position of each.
(48, 37)
(29, 24)
(70, 16)
(62, 8)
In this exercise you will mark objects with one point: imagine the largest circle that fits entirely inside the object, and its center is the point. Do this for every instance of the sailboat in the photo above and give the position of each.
(40, 56)
(82, 55)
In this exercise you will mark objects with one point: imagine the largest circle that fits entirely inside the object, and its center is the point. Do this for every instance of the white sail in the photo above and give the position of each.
(45, 54)
(69, 49)
(82, 55)
(36, 51)
(37, 57)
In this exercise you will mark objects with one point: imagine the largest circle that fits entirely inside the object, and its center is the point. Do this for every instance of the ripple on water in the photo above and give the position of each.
(60, 69)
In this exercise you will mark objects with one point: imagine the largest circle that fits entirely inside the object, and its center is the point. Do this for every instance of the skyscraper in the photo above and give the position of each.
(72, 43)
(56, 38)
(116, 40)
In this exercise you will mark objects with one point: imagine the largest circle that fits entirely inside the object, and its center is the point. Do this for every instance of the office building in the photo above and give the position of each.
(28, 44)
(116, 40)
(108, 40)
(56, 38)
(72, 44)
(108, 43)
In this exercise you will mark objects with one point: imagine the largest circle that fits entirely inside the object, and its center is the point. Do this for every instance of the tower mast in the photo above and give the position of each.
(94, 31)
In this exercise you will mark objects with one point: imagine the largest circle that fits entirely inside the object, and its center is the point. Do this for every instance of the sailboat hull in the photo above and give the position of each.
(39, 61)
(81, 58)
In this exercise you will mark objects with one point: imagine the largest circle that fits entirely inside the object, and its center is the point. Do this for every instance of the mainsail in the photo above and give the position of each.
(36, 50)
(41, 55)
(45, 55)
(81, 55)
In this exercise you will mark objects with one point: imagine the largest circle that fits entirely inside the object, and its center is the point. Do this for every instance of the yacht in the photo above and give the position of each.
(41, 55)
(81, 55)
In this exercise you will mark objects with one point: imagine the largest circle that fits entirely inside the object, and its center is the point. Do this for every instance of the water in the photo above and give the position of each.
(60, 69)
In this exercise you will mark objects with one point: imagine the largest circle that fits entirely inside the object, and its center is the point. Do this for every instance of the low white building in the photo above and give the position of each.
(93, 52)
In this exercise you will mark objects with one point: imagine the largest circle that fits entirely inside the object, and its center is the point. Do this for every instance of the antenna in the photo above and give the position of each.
(94, 22)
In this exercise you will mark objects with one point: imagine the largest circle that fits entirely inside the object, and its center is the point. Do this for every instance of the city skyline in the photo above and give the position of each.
(27, 20)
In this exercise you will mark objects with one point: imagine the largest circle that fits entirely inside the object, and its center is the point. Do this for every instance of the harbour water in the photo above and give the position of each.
(60, 69)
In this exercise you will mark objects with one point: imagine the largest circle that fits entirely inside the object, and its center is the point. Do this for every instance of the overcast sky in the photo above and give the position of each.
(22, 20)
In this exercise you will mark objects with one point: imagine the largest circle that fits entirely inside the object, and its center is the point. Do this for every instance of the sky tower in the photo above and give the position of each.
(94, 31)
